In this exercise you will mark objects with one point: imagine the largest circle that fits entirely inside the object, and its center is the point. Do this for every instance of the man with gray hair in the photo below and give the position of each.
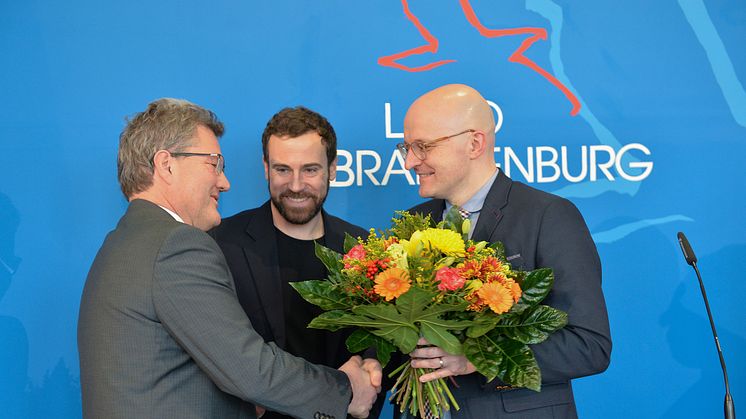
(161, 333)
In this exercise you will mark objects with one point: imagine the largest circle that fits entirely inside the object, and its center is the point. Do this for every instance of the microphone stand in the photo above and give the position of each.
(691, 259)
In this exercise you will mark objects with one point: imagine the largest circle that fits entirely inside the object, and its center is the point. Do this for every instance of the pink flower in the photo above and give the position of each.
(450, 279)
(357, 252)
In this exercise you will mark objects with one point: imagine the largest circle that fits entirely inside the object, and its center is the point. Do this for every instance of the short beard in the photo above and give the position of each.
(299, 217)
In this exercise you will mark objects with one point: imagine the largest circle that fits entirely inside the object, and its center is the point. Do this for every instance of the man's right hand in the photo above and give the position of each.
(364, 392)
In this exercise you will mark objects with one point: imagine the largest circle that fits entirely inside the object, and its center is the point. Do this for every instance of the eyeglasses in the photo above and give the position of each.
(420, 148)
(219, 164)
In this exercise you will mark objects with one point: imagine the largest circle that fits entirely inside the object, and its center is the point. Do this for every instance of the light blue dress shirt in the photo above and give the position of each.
(475, 203)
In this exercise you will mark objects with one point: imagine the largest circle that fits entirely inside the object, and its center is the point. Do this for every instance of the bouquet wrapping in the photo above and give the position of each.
(422, 279)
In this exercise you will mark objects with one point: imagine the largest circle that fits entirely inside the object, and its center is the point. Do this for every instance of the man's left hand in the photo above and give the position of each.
(444, 364)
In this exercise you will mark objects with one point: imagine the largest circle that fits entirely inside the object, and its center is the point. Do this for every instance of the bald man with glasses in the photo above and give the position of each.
(449, 140)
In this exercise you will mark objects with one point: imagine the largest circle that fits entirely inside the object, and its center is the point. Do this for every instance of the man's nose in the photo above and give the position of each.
(296, 183)
(411, 160)
(223, 184)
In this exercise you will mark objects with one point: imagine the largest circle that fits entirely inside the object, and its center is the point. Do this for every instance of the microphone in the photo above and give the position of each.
(691, 259)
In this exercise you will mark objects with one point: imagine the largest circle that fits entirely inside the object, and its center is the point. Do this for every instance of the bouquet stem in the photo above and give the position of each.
(409, 393)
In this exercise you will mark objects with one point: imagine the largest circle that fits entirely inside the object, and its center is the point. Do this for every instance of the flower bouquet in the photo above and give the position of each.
(419, 279)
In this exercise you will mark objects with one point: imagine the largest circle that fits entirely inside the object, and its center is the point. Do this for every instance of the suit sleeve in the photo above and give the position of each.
(583, 347)
(195, 301)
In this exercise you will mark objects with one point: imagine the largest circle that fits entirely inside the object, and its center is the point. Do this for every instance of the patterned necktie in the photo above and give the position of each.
(428, 413)
(464, 213)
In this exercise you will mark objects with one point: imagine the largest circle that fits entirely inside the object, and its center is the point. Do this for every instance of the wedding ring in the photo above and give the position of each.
(441, 362)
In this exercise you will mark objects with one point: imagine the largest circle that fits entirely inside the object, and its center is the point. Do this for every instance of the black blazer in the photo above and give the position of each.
(539, 229)
(249, 243)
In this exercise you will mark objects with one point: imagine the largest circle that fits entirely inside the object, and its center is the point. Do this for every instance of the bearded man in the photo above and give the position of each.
(270, 246)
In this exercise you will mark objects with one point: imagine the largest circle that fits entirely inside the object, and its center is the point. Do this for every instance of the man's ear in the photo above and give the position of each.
(477, 144)
(266, 169)
(162, 166)
(333, 170)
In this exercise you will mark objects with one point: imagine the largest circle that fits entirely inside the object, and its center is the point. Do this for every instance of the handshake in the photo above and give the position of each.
(365, 377)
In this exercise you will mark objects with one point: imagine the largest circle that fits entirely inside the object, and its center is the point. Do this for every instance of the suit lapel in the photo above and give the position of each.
(491, 213)
(334, 236)
(260, 249)
(434, 207)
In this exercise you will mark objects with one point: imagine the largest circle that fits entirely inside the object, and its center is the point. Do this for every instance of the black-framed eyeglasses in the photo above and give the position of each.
(219, 163)
(420, 148)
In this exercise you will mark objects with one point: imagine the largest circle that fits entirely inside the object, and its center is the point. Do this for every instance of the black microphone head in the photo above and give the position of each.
(689, 255)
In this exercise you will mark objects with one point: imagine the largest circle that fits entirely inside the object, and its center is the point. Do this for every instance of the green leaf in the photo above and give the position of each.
(322, 293)
(534, 325)
(535, 286)
(362, 339)
(446, 324)
(511, 361)
(359, 341)
(452, 220)
(385, 321)
(349, 242)
(499, 250)
(438, 309)
(482, 352)
(337, 319)
(519, 367)
(331, 259)
(482, 324)
(439, 336)
(404, 338)
(412, 303)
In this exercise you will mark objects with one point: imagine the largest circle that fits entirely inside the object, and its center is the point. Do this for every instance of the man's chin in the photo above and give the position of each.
(299, 217)
(425, 192)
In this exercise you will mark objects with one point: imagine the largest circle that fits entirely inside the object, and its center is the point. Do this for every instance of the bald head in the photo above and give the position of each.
(452, 107)
(456, 127)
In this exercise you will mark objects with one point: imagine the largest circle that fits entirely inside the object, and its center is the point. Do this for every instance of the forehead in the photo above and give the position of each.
(303, 149)
(205, 141)
(424, 123)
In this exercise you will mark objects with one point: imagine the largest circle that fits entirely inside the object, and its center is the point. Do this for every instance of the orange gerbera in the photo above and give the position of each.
(497, 296)
(392, 283)
(515, 289)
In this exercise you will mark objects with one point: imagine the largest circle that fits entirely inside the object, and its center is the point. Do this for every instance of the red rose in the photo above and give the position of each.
(449, 279)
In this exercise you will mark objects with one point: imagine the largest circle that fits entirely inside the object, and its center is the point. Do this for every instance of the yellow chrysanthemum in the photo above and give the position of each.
(497, 296)
(447, 241)
(392, 283)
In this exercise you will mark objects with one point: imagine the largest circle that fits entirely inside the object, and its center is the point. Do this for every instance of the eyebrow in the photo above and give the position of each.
(305, 166)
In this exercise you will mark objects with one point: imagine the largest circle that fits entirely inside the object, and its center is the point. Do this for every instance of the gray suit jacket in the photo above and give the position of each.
(161, 334)
(542, 230)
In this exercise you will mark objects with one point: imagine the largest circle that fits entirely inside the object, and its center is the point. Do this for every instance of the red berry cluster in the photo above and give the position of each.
(370, 294)
(375, 266)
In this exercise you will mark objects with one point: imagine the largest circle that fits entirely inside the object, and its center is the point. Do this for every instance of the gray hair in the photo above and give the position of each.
(167, 124)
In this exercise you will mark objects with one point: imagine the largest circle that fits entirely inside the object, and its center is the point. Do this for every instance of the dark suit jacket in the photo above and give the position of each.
(542, 230)
(249, 243)
(161, 334)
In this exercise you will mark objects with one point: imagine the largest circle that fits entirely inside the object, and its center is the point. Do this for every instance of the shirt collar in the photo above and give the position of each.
(475, 203)
(173, 214)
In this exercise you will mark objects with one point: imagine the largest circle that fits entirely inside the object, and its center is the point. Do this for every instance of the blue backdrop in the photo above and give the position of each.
(634, 110)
